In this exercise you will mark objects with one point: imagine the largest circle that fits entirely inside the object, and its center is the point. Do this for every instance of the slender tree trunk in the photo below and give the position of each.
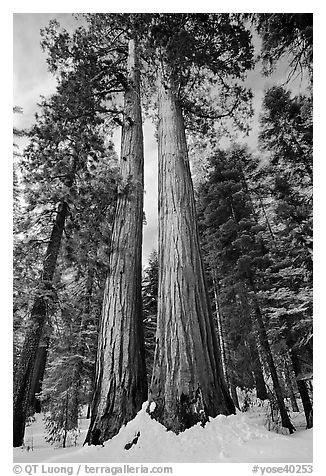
(221, 339)
(121, 385)
(77, 369)
(234, 394)
(289, 385)
(26, 364)
(261, 389)
(255, 363)
(266, 218)
(38, 374)
(286, 422)
(187, 384)
(304, 394)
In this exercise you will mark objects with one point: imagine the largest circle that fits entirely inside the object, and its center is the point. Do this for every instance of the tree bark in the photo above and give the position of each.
(234, 394)
(187, 384)
(290, 388)
(121, 384)
(26, 364)
(38, 374)
(77, 369)
(221, 339)
(294, 356)
(304, 394)
(286, 423)
(261, 389)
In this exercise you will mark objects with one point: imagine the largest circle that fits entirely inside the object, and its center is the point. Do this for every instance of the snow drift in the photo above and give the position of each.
(232, 439)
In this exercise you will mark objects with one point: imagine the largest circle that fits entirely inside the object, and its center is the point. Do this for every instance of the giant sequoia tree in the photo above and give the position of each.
(121, 384)
(187, 383)
(193, 66)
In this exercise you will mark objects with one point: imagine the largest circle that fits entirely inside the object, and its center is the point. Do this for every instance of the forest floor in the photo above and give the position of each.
(240, 438)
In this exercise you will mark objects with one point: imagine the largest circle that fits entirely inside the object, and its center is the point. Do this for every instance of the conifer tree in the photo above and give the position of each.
(241, 255)
(103, 46)
(64, 136)
(286, 138)
(81, 273)
(121, 384)
(286, 34)
(187, 384)
(150, 296)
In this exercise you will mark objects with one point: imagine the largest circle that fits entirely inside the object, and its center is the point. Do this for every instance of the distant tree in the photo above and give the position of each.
(150, 297)
(286, 138)
(81, 273)
(236, 250)
(65, 136)
(286, 133)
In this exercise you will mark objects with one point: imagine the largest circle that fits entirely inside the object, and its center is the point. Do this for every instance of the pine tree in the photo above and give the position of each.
(286, 137)
(63, 138)
(81, 278)
(239, 253)
(150, 297)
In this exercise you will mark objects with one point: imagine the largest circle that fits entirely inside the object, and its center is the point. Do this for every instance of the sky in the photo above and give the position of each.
(32, 79)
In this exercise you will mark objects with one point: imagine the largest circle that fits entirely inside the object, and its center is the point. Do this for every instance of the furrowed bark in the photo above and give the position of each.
(26, 365)
(187, 384)
(121, 383)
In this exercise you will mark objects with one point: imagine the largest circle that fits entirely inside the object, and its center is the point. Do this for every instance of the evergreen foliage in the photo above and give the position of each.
(232, 238)
(286, 34)
(69, 181)
(150, 297)
(254, 217)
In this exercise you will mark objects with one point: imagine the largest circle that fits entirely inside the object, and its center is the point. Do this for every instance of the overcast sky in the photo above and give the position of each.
(32, 79)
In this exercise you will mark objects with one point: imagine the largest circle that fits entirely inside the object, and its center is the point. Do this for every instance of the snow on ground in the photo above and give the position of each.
(240, 438)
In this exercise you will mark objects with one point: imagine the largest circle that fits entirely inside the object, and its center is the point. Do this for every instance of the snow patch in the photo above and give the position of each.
(224, 439)
(152, 407)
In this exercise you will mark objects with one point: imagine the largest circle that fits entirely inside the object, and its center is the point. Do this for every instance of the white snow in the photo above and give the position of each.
(152, 407)
(240, 438)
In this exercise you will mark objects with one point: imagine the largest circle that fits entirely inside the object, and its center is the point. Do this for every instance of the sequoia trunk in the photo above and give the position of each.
(121, 385)
(187, 384)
